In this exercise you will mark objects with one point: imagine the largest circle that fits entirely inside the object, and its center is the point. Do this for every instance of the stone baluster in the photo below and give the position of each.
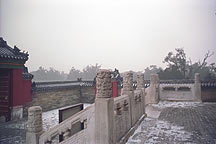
(141, 86)
(85, 123)
(154, 79)
(152, 96)
(35, 128)
(118, 109)
(154, 83)
(197, 87)
(104, 109)
(66, 134)
(125, 108)
(128, 90)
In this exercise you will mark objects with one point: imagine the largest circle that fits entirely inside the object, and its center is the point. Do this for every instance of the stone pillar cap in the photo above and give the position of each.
(197, 77)
(103, 84)
(154, 78)
(128, 81)
(128, 72)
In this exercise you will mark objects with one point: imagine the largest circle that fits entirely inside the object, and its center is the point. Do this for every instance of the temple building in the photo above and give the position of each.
(15, 82)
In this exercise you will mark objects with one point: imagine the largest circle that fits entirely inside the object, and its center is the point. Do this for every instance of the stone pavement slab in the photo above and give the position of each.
(178, 123)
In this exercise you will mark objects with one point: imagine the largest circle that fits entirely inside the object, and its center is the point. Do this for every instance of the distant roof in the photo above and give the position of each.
(26, 75)
(6, 52)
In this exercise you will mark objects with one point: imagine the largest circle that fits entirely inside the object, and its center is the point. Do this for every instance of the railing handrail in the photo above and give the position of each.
(120, 98)
(183, 81)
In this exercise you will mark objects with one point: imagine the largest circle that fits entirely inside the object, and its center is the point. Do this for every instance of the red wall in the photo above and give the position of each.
(27, 90)
(21, 89)
(119, 91)
(114, 89)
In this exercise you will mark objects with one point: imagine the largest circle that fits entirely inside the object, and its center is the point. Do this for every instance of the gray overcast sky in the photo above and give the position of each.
(126, 34)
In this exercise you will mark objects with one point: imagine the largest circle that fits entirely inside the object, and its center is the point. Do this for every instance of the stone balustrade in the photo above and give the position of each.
(85, 116)
(107, 121)
(122, 116)
(176, 92)
(129, 107)
(183, 90)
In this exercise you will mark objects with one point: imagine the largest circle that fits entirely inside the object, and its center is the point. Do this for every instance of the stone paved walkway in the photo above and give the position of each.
(177, 123)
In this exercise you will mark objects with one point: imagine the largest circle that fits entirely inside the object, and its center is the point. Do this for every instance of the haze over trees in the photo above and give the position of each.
(88, 73)
(178, 67)
(43, 74)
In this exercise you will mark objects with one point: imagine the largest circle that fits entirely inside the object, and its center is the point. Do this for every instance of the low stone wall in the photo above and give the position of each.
(87, 94)
(208, 94)
(52, 99)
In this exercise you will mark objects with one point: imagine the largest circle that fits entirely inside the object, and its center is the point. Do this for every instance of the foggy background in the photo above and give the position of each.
(123, 34)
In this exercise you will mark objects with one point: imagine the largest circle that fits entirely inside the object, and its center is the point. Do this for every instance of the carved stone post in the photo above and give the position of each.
(128, 90)
(35, 128)
(141, 86)
(152, 96)
(197, 87)
(104, 109)
(127, 82)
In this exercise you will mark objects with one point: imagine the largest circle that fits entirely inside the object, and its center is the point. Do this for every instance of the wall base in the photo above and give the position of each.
(17, 112)
(2, 119)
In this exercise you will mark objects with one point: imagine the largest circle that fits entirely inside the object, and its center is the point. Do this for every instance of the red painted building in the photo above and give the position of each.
(15, 82)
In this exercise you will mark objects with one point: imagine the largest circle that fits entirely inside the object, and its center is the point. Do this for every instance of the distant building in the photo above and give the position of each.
(15, 82)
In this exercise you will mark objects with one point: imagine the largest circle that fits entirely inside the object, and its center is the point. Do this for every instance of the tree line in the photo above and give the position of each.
(181, 67)
(88, 73)
(178, 67)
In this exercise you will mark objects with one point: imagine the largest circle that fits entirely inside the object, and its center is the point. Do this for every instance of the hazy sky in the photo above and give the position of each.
(126, 34)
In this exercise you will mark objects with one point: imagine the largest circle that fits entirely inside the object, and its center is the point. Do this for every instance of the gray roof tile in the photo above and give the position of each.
(6, 52)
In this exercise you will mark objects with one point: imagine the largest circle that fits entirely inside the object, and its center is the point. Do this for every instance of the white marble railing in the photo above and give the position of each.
(85, 116)
(127, 111)
(108, 121)
(122, 116)
(177, 92)
(121, 103)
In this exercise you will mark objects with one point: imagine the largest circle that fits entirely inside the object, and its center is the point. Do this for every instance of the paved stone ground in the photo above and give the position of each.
(13, 132)
(177, 123)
